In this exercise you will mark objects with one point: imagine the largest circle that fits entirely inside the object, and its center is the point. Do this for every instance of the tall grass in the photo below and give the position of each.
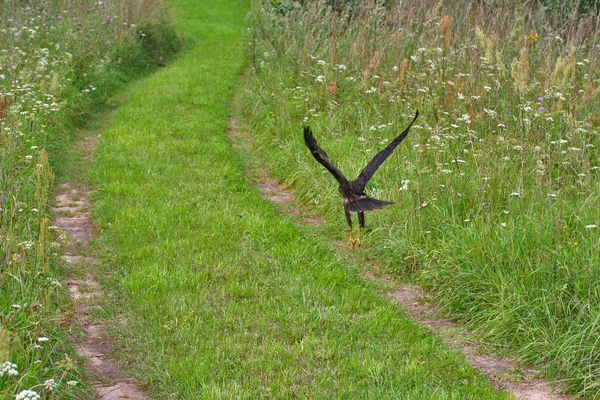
(497, 187)
(58, 61)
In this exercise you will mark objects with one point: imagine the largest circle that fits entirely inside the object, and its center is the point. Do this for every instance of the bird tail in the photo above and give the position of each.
(367, 204)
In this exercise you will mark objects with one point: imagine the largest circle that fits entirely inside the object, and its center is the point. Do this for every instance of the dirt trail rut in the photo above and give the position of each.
(72, 215)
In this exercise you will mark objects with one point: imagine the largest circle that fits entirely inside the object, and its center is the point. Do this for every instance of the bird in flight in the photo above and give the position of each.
(355, 199)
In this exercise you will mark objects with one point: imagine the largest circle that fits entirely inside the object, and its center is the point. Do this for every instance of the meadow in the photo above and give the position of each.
(59, 62)
(498, 184)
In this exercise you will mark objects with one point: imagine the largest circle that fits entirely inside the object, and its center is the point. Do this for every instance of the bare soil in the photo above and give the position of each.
(72, 216)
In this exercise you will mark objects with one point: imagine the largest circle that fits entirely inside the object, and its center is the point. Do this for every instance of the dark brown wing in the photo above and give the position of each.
(367, 173)
(320, 155)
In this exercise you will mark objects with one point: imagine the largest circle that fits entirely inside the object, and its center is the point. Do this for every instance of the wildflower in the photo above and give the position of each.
(320, 78)
(27, 395)
(542, 109)
(405, 183)
(487, 88)
(551, 195)
(50, 384)
(515, 194)
(42, 339)
(15, 306)
(489, 112)
(518, 147)
(532, 37)
(503, 224)
(71, 383)
(8, 368)
(342, 67)
(592, 226)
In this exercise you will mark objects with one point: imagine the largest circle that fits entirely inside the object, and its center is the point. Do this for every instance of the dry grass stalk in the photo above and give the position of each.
(446, 29)
(590, 92)
(332, 89)
(519, 70)
(374, 63)
(402, 71)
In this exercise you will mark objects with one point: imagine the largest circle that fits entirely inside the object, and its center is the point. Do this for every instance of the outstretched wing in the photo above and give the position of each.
(320, 155)
(367, 173)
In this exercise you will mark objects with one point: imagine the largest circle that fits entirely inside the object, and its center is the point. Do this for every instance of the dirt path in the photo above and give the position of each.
(522, 383)
(72, 215)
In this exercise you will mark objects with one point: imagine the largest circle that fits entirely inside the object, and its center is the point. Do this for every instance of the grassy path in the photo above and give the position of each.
(222, 296)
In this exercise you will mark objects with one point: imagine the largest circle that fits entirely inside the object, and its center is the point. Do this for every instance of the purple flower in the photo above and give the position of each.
(60, 18)
(541, 99)
(541, 109)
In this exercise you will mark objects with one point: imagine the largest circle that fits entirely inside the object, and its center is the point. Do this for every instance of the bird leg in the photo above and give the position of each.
(361, 224)
(349, 220)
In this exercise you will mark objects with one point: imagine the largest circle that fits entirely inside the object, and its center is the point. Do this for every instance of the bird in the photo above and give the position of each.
(355, 199)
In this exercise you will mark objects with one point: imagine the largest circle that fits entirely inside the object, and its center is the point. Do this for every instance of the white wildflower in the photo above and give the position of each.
(515, 194)
(489, 112)
(405, 183)
(42, 339)
(9, 369)
(592, 226)
(50, 384)
(321, 78)
(27, 395)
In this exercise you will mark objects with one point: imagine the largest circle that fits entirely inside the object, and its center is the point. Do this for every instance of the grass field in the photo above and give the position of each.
(211, 292)
(497, 185)
(222, 296)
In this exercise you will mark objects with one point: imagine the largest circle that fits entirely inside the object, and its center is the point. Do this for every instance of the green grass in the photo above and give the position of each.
(218, 295)
(497, 185)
